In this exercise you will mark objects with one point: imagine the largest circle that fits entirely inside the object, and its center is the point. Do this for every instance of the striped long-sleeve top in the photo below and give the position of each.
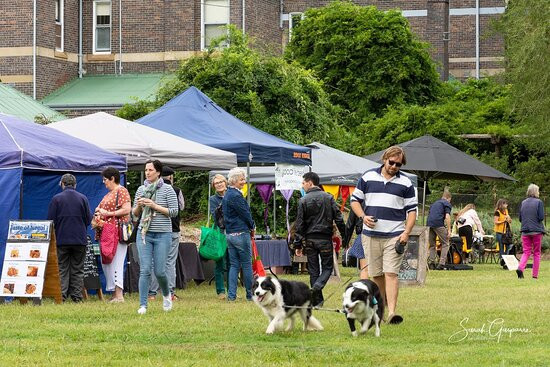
(388, 200)
(166, 197)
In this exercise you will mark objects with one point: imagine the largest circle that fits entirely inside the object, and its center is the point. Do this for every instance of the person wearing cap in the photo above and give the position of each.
(71, 215)
(168, 178)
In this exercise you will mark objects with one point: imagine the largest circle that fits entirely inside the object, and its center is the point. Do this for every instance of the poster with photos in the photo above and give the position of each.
(36, 251)
(25, 258)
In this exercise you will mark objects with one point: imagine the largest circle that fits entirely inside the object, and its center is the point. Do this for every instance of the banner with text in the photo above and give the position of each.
(288, 176)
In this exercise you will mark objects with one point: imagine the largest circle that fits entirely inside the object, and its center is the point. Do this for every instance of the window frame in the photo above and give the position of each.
(61, 23)
(291, 22)
(94, 45)
(204, 24)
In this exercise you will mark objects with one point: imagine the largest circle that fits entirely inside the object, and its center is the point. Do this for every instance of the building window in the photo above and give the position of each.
(59, 25)
(215, 18)
(293, 20)
(102, 27)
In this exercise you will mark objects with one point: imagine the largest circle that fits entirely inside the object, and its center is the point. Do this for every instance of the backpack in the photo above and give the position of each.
(218, 217)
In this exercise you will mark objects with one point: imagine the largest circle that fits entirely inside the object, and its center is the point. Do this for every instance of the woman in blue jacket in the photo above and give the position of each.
(531, 216)
(239, 227)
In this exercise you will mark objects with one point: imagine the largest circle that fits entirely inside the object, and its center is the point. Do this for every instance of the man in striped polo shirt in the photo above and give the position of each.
(386, 202)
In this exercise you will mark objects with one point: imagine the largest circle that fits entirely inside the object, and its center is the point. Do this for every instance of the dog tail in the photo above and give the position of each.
(314, 324)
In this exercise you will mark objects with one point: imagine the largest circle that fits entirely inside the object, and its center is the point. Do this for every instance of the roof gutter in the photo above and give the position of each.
(63, 107)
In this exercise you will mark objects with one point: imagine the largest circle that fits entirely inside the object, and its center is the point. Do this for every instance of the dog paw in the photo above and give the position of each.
(269, 332)
(354, 334)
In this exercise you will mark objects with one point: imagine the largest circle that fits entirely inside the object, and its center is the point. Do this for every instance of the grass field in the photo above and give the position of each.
(510, 318)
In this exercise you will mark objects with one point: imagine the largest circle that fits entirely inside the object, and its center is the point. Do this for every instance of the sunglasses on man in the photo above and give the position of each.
(394, 163)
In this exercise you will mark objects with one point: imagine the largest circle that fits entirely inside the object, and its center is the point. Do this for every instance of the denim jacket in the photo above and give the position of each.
(236, 212)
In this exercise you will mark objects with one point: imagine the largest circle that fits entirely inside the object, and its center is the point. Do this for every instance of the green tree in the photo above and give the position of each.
(477, 106)
(526, 29)
(368, 59)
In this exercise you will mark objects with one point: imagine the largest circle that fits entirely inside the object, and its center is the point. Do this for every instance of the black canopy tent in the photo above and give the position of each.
(431, 158)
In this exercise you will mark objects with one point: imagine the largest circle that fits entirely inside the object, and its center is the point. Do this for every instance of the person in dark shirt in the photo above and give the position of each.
(439, 221)
(317, 212)
(71, 215)
(219, 182)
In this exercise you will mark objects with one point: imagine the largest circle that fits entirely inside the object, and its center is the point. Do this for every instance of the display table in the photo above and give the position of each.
(274, 254)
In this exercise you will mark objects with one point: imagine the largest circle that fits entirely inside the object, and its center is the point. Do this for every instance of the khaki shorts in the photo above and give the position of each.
(381, 255)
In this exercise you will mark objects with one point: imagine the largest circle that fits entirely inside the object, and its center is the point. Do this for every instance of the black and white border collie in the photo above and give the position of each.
(362, 302)
(281, 300)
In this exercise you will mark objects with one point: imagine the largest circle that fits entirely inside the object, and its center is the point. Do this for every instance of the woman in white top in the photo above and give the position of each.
(468, 221)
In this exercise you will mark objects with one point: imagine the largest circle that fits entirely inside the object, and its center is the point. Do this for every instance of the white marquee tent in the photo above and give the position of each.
(139, 143)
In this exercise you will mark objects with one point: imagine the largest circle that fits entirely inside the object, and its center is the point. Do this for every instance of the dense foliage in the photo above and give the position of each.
(368, 59)
(477, 106)
(526, 29)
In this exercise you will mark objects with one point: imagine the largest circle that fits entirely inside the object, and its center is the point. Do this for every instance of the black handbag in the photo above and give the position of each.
(507, 236)
(127, 232)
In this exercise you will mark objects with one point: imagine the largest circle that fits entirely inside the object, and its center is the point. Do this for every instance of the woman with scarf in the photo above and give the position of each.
(154, 204)
(113, 208)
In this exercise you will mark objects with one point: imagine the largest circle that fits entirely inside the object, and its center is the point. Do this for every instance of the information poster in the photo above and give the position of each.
(288, 176)
(25, 258)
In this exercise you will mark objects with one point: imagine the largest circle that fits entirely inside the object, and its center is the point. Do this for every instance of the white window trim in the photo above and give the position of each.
(203, 25)
(62, 24)
(110, 28)
(291, 23)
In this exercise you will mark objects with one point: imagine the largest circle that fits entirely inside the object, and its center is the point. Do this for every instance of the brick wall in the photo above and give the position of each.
(151, 29)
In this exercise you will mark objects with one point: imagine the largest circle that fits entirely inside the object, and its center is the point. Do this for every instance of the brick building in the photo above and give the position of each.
(41, 48)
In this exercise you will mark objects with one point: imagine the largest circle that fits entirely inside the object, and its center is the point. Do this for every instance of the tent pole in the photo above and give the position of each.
(248, 182)
(209, 194)
(424, 204)
(274, 213)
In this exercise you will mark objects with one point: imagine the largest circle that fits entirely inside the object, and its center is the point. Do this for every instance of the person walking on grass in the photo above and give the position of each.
(317, 211)
(531, 215)
(385, 200)
(439, 221)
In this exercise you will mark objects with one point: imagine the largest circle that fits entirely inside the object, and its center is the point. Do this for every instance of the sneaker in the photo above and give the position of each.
(221, 296)
(151, 297)
(142, 310)
(519, 273)
(440, 267)
(166, 303)
(174, 297)
(431, 266)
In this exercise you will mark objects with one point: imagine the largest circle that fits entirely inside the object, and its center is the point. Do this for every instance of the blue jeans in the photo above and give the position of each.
(219, 273)
(502, 248)
(240, 256)
(170, 267)
(154, 250)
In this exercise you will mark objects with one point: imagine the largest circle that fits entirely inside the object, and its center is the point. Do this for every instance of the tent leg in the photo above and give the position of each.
(209, 194)
(424, 205)
(274, 213)
(248, 182)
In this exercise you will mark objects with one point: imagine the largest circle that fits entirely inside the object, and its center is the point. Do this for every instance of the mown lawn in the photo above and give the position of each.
(204, 331)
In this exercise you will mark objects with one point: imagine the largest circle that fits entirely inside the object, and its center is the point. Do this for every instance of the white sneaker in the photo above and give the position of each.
(166, 303)
(142, 310)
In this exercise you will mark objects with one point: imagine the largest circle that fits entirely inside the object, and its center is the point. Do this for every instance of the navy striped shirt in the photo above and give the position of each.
(388, 200)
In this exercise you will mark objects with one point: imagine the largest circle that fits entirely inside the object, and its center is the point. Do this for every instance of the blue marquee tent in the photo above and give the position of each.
(32, 160)
(194, 116)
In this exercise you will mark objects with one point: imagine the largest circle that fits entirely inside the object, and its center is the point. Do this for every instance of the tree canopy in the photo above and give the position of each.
(368, 59)
(526, 29)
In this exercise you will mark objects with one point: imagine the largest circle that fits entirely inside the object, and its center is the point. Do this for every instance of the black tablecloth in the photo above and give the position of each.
(188, 267)
(273, 252)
